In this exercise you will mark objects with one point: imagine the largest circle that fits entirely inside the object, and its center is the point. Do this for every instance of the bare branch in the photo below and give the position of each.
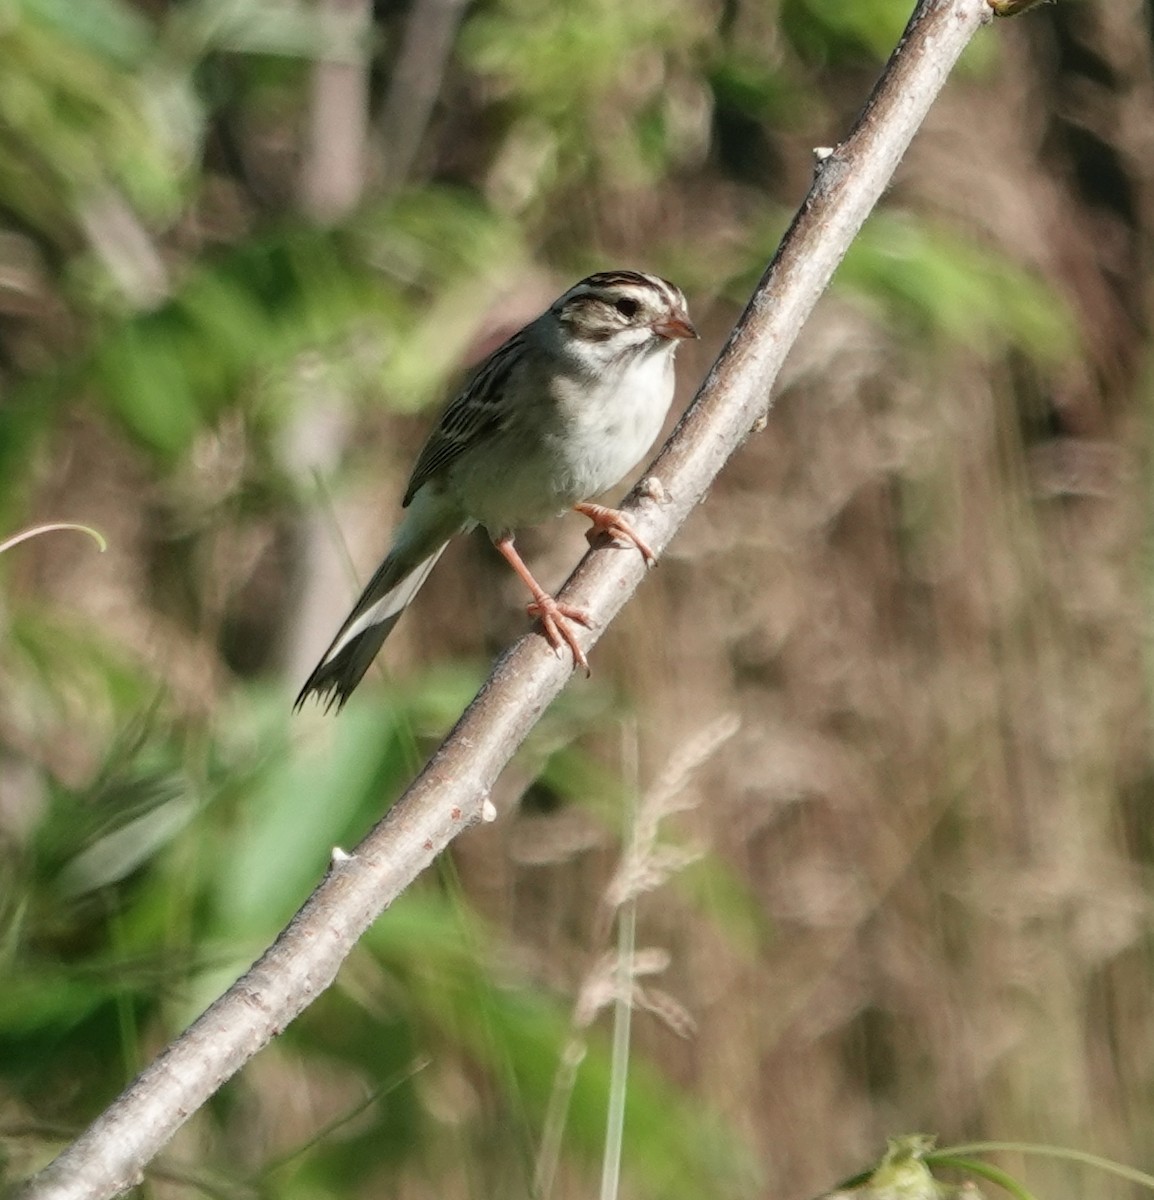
(451, 792)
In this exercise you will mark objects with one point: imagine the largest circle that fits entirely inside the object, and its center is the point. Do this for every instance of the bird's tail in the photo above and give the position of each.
(387, 595)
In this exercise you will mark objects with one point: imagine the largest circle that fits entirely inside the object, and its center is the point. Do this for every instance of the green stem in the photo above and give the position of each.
(25, 534)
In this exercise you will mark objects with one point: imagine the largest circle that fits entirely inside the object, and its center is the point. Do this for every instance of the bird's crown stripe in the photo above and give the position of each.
(605, 280)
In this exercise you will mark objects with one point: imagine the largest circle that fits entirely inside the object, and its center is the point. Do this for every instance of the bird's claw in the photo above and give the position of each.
(613, 523)
(555, 617)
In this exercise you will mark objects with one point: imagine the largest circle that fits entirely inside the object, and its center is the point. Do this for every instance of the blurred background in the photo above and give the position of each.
(871, 749)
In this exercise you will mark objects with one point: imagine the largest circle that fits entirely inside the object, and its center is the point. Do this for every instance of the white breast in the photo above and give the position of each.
(613, 423)
(575, 437)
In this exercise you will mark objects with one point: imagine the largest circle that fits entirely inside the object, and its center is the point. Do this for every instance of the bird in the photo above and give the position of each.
(556, 415)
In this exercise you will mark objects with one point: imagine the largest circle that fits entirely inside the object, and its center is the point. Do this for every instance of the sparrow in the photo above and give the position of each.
(556, 415)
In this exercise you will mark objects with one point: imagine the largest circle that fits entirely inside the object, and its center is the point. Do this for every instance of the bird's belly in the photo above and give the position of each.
(594, 441)
(525, 490)
(531, 487)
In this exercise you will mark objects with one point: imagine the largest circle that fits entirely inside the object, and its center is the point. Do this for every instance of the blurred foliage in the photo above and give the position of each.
(618, 119)
(178, 339)
(76, 118)
(826, 30)
(938, 286)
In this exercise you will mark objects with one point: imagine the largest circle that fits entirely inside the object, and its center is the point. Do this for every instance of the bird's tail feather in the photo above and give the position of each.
(388, 594)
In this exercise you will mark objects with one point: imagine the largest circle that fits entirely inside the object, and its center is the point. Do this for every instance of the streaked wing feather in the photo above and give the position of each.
(477, 411)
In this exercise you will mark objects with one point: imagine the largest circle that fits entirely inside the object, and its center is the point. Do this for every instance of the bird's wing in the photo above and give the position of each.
(480, 408)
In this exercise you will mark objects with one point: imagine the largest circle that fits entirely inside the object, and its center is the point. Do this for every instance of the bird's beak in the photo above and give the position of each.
(673, 327)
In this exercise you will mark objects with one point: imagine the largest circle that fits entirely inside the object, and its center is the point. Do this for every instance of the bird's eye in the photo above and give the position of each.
(627, 307)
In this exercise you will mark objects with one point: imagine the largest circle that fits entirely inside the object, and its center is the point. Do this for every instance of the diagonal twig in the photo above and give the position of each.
(451, 792)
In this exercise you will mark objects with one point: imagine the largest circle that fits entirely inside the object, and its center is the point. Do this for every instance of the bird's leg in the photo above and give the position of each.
(553, 614)
(616, 524)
